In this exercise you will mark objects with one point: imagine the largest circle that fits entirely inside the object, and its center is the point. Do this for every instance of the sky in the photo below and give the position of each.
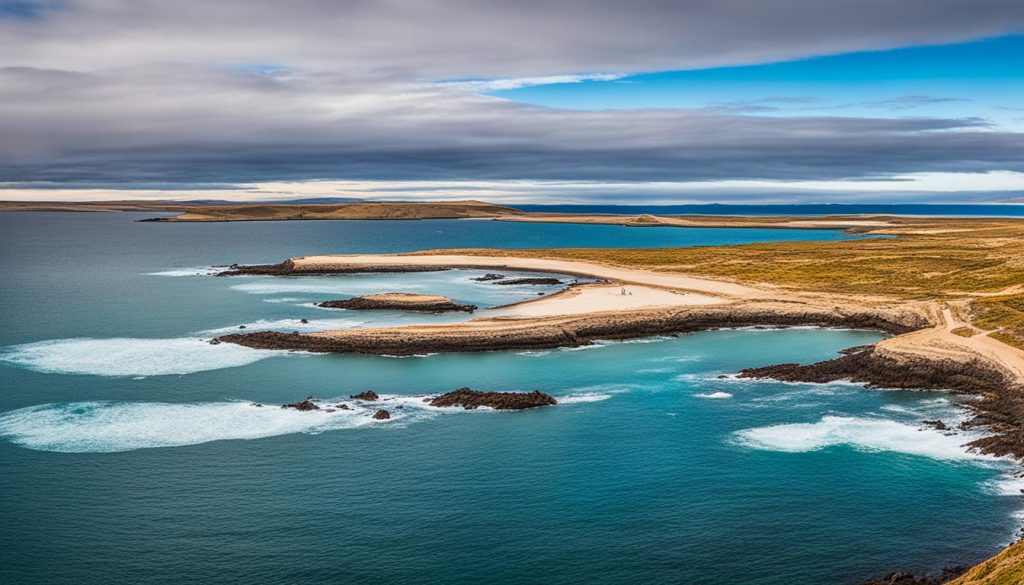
(556, 101)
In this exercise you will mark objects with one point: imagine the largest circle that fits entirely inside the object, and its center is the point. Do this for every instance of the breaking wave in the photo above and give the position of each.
(105, 427)
(714, 395)
(867, 434)
(131, 356)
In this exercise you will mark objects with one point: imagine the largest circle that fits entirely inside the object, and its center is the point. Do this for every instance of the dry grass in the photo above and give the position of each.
(965, 331)
(1006, 568)
(1002, 314)
(981, 255)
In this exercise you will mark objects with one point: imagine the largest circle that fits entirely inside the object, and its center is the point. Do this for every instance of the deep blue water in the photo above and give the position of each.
(130, 453)
(962, 209)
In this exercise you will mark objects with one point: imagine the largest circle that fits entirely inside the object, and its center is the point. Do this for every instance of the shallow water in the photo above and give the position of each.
(131, 452)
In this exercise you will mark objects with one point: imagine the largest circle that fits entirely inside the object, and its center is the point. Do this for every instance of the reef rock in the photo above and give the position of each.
(305, 405)
(381, 415)
(399, 302)
(368, 395)
(489, 276)
(472, 399)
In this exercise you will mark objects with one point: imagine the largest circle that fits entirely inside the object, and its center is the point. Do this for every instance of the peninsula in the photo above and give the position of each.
(950, 291)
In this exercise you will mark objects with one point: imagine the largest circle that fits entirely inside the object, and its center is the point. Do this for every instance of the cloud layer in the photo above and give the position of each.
(481, 38)
(190, 92)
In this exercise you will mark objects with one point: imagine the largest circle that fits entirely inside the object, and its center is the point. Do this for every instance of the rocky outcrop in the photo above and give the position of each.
(570, 331)
(1000, 407)
(289, 268)
(473, 399)
(533, 280)
(399, 302)
(489, 277)
(381, 415)
(901, 578)
(881, 371)
(304, 405)
(368, 395)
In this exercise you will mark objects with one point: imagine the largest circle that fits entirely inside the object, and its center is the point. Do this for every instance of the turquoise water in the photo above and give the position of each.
(129, 451)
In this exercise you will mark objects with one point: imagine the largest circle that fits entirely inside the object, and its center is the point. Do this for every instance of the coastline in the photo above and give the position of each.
(925, 351)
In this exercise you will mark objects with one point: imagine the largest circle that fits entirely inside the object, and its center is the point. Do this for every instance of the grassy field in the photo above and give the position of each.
(938, 258)
(1004, 314)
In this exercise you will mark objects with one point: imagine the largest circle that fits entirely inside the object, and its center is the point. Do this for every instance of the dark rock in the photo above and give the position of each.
(342, 407)
(304, 321)
(572, 333)
(936, 424)
(215, 341)
(256, 404)
(368, 395)
(241, 326)
(515, 281)
(305, 405)
(381, 415)
(902, 578)
(472, 399)
(374, 303)
(288, 268)
(1000, 408)
(489, 276)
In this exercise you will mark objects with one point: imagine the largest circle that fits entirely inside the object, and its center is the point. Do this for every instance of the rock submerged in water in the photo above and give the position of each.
(488, 277)
(381, 415)
(936, 424)
(399, 302)
(368, 395)
(304, 405)
(472, 399)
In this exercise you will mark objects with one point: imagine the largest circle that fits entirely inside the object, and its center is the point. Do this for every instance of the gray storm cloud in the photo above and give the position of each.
(195, 124)
(187, 91)
(481, 38)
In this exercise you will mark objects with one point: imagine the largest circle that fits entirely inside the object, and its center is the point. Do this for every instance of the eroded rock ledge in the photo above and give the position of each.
(289, 268)
(574, 331)
(399, 302)
(1000, 406)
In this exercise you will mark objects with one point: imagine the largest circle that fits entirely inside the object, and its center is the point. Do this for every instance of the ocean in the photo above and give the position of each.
(130, 449)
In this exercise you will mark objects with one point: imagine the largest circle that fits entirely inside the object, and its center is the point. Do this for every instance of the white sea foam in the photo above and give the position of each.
(194, 271)
(288, 325)
(102, 427)
(286, 300)
(583, 397)
(99, 427)
(1007, 485)
(131, 357)
(868, 434)
(714, 395)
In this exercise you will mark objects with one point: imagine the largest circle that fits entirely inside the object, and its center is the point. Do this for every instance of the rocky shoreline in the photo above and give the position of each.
(999, 407)
(289, 268)
(576, 331)
(399, 302)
